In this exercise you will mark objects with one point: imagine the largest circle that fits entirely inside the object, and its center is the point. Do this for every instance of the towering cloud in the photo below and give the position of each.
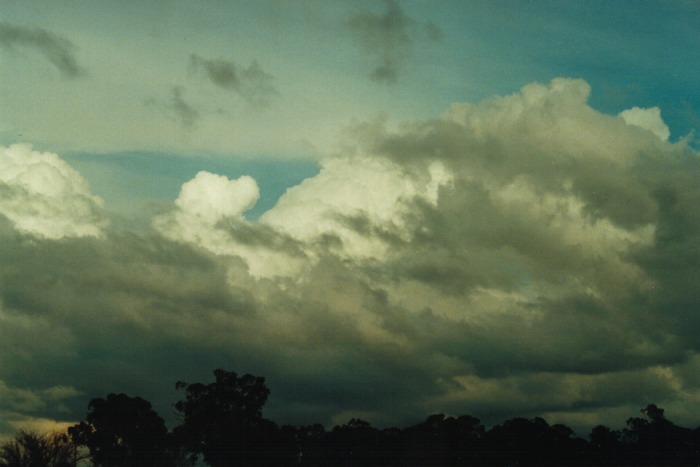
(42, 195)
(208, 213)
(58, 50)
(526, 255)
(506, 239)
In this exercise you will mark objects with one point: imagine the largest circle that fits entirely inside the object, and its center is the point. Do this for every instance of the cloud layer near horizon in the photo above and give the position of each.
(526, 255)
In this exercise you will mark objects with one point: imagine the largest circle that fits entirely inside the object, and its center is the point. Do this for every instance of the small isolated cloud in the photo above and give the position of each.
(252, 84)
(44, 196)
(176, 107)
(389, 38)
(58, 50)
(187, 114)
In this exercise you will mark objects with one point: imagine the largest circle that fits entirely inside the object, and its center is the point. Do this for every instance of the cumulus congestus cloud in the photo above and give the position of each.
(58, 50)
(526, 254)
(389, 37)
(44, 196)
(507, 236)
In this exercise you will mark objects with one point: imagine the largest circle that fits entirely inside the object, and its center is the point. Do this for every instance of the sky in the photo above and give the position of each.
(388, 209)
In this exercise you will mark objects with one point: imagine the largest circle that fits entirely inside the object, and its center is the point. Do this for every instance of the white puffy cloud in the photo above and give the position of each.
(648, 119)
(352, 199)
(209, 208)
(210, 197)
(43, 195)
(344, 206)
(204, 203)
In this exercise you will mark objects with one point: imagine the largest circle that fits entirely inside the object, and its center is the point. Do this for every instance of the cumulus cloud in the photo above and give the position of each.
(389, 38)
(42, 195)
(525, 255)
(515, 225)
(648, 119)
(58, 50)
(206, 201)
(360, 202)
(209, 212)
(252, 83)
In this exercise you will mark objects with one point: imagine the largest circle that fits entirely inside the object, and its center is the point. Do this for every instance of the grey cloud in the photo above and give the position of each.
(176, 106)
(116, 308)
(58, 50)
(252, 83)
(188, 115)
(511, 284)
(389, 38)
(434, 32)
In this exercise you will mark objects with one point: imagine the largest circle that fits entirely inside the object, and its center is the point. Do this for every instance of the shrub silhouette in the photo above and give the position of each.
(29, 449)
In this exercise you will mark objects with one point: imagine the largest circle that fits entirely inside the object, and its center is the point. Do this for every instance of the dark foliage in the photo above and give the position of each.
(654, 439)
(124, 431)
(222, 423)
(29, 449)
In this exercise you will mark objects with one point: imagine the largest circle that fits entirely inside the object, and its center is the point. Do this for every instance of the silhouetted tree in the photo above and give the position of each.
(443, 441)
(606, 446)
(124, 431)
(533, 442)
(29, 449)
(655, 439)
(356, 443)
(223, 420)
(309, 444)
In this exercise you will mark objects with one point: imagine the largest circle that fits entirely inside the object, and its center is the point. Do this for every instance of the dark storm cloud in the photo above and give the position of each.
(389, 38)
(483, 262)
(58, 50)
(143, 314)
(252, 83)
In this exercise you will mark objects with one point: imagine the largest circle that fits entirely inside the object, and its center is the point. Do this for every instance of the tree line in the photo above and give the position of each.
(222, 425)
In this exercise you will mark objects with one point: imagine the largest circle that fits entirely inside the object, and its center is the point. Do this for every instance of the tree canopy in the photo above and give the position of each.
(30, 449)
(223, 420)
(122, 430)
(222, 423)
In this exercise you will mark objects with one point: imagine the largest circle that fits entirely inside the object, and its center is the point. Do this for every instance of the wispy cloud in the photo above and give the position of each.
(58, 50)
(187, 114)
(389, 38)
(176, 106)
(252, 83)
